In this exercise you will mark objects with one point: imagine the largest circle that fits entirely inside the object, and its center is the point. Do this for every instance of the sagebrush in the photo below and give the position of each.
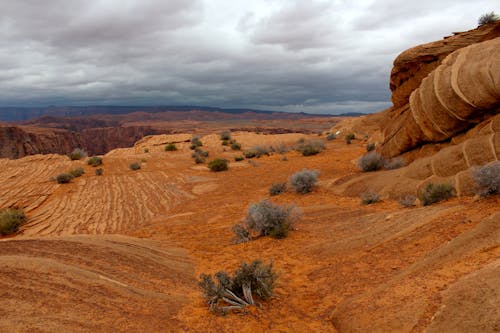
(371, 161)
(487, 179)
(10, 220)
(277, 188)
(94, 161)
(268, 219)
(433, 193)
(304, 181)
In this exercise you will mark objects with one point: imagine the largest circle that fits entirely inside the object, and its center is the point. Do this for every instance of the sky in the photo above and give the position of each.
(309, 56)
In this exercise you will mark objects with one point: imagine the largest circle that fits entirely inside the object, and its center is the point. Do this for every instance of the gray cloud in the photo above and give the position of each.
(291, 55)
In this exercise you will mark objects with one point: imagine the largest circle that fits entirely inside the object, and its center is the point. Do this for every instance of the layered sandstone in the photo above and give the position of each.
(458, 94)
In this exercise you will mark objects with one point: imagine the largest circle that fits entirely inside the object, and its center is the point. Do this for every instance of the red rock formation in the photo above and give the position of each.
(20, 141)
(414, 64)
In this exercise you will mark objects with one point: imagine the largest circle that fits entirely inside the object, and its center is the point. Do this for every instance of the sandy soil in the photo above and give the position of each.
(346, 267)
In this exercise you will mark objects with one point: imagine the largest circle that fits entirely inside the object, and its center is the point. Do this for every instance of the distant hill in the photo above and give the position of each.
(26, 113)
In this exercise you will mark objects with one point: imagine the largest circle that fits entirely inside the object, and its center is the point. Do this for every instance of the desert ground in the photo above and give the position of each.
(123, 251)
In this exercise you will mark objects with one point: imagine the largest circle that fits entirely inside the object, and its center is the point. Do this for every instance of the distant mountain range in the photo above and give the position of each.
(26, 113)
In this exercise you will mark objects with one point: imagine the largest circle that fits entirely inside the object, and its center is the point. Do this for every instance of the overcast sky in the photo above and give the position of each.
(308, 55)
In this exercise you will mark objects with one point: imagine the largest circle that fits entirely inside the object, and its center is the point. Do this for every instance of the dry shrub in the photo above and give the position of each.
(77, 154)
(10, 220)
(433, 193)
(369, 197)
(487, 179)
(371, 161)
(304, 181)
(268, 219)
(224, 292)
(219, 164)
(277, 188)
(95, 161)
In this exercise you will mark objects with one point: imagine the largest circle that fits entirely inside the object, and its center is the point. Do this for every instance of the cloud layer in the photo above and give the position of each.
(300, 56)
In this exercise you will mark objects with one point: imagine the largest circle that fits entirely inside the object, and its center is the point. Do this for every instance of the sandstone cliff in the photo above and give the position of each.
(20, 141)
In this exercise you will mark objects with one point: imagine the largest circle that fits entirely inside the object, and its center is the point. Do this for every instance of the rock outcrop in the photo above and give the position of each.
(457, 95)
(20, 141)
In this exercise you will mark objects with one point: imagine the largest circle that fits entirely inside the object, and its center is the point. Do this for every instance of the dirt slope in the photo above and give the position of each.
(98, 284)
(341, 259)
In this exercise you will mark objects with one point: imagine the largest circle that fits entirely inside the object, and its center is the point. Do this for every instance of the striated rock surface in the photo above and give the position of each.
(91, 284)
(458, 94)
(414, 64)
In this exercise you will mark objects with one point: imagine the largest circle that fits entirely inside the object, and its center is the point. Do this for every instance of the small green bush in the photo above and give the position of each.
(304, 181)
(76, 172)
(219, 164)
(77, 154)
(146, 150)
(487, 18)
(10, 220)
(235, 146)
(433, 193)
(99, 171)
(64, 178)
(94, 161)
(257, 151)
(277, 188)
(310, 147)
(171, 147)
(225, 136)
(350, 137)
(195, 142)
(239, 158)
(369, 197)
(370, 147)
(371, 161)
(331, 137)
(487, 179)
(134, 166)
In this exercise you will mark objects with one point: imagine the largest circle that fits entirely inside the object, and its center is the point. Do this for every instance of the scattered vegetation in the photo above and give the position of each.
(146, 150)
(277, 188)
(433, 193)
(239, 158)
(76, 172)
(487, 179)
(171, 147)
(394, 163)
(487, 18)
(280, 148)
(370, 147)
(257, 151)
(94, 161)
(235, 146)
(331, 137)
(225, 293)
(267, 219)
(225, 136)
(134, 166)
(241, 234)
(225, 143)
(199, 155)
(369, 197)
(195, 142)
(219, 164)
(349, 137)
(64, 178)
(408, 200)
(99, 171)
(371, 161)
(310, 147)
(77, 154)
(304, 181)
(10, 220)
